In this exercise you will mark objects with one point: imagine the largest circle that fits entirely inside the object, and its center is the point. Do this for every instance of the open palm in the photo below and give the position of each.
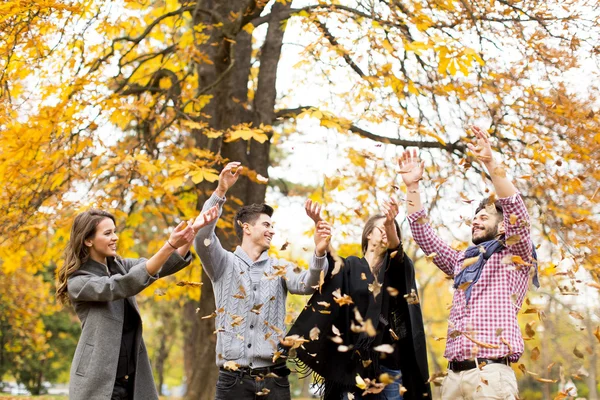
(411, 167)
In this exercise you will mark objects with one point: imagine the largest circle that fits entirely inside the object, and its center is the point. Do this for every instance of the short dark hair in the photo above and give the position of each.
(486, 202)
(249, 214)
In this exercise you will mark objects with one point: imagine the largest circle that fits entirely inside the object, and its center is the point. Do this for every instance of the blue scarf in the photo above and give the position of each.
(473, 271)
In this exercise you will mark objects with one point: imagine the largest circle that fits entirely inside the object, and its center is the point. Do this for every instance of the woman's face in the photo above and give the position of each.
(104, 242)
(377, 238)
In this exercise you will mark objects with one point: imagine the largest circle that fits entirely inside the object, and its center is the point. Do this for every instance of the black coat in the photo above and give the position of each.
(339, 369)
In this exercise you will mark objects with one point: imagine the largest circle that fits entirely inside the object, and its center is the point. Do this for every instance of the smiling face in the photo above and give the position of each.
(259, 233)
(486, 226)
(104, 241)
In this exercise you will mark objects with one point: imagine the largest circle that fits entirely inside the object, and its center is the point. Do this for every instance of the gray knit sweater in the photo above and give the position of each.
(250, 296)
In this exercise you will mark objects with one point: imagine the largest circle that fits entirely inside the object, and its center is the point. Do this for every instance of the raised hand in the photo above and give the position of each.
(411, 167)
(228, 177)
(483, 149)
(390, 210)
(205, 218)
(313, 210)
(182, 235)
(322, 237)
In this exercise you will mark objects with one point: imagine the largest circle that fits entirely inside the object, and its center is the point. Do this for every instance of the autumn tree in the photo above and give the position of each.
(135, 105)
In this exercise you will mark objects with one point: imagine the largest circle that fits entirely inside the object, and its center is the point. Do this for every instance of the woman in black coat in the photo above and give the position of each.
(365, 324)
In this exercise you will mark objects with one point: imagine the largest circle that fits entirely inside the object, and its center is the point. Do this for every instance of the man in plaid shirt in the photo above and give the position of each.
(491, 279)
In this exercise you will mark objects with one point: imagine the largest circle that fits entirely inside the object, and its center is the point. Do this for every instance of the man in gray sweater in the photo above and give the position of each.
(250, 292)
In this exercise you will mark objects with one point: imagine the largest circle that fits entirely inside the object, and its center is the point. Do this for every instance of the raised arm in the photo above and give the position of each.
(390, 210)
(483, 151)
(411, 171)
(516, 218)
(303, 282)
(207, 244)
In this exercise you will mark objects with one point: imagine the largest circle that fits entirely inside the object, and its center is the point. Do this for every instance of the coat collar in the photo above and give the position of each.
(241, 254)
(97, 268)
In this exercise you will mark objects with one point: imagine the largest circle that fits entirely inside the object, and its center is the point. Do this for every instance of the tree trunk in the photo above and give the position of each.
(200, 341)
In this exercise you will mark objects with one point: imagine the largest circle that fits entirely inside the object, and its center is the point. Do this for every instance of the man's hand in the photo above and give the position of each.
(411, 168)
(228, 177)
(205, 218)
(322, 238)
(390, 210)
(313, 210)
(483, 149)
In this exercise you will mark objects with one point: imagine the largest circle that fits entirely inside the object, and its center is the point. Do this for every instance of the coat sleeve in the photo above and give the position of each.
(83, 286)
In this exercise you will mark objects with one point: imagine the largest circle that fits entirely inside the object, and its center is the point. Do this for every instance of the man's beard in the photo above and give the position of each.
(489, 235)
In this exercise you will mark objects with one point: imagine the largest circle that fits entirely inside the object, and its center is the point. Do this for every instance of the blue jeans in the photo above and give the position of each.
(392, 391)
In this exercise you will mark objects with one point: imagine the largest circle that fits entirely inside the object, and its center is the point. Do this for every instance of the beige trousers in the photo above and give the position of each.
(493, 381)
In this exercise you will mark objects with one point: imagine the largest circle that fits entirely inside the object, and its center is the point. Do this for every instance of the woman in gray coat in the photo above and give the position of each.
(111, 361)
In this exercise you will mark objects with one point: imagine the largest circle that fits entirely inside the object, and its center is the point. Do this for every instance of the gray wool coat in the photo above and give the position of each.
(98, 299)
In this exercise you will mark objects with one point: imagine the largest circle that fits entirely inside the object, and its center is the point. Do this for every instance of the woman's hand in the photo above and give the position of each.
(313, 210)
(182, 235)
(322, 238)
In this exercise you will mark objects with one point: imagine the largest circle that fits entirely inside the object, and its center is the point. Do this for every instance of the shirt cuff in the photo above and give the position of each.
(513, 199)
(416, 215)
(319, 262)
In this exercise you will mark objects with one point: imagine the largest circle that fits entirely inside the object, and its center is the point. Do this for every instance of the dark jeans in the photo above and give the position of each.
(122, 390)
(240, 386)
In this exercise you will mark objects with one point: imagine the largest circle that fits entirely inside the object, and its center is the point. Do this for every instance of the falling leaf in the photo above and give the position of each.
(342, 348)
(512, 219)
(469, 261)
(370, 329)
(464, 285)
(341, 300)
(546, 380)
(293, 341)
(529, 331)
(276, 356)
(314, 333)
(335, 330)
(518, 260)
(363, 276)
(577, 352)
(261, 179)
(384, 348)
(422, 220)
(324, 304)
(386, 378)
(366, 363)
(338, 263)
(285, 245)
(256, 309)
(337, 340)
(431, 256)
(549, 367)
(393, 254)
(512, 240)
(160, 292)
(595, 285)
(576, 315)
(263, 392)
(207, 242)
(360, 382)
(535, 354)
(188, 283)
(214, 314)
(241, 294)
(597, 333)
(375, 288)
(392, 291)
(231, 366)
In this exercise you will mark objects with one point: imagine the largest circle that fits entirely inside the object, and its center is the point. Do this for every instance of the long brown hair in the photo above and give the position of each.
(76, 252)
(369, 226)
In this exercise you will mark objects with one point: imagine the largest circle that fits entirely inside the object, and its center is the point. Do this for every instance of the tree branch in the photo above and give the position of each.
(454, 147)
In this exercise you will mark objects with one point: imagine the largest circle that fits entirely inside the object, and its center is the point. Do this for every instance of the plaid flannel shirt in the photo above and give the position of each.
(487, 326)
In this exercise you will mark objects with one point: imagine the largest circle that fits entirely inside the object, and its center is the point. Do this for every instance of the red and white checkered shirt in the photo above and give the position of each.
(490, 318)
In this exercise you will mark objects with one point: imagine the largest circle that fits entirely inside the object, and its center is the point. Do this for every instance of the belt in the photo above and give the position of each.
(457, 366)
(278, 369)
